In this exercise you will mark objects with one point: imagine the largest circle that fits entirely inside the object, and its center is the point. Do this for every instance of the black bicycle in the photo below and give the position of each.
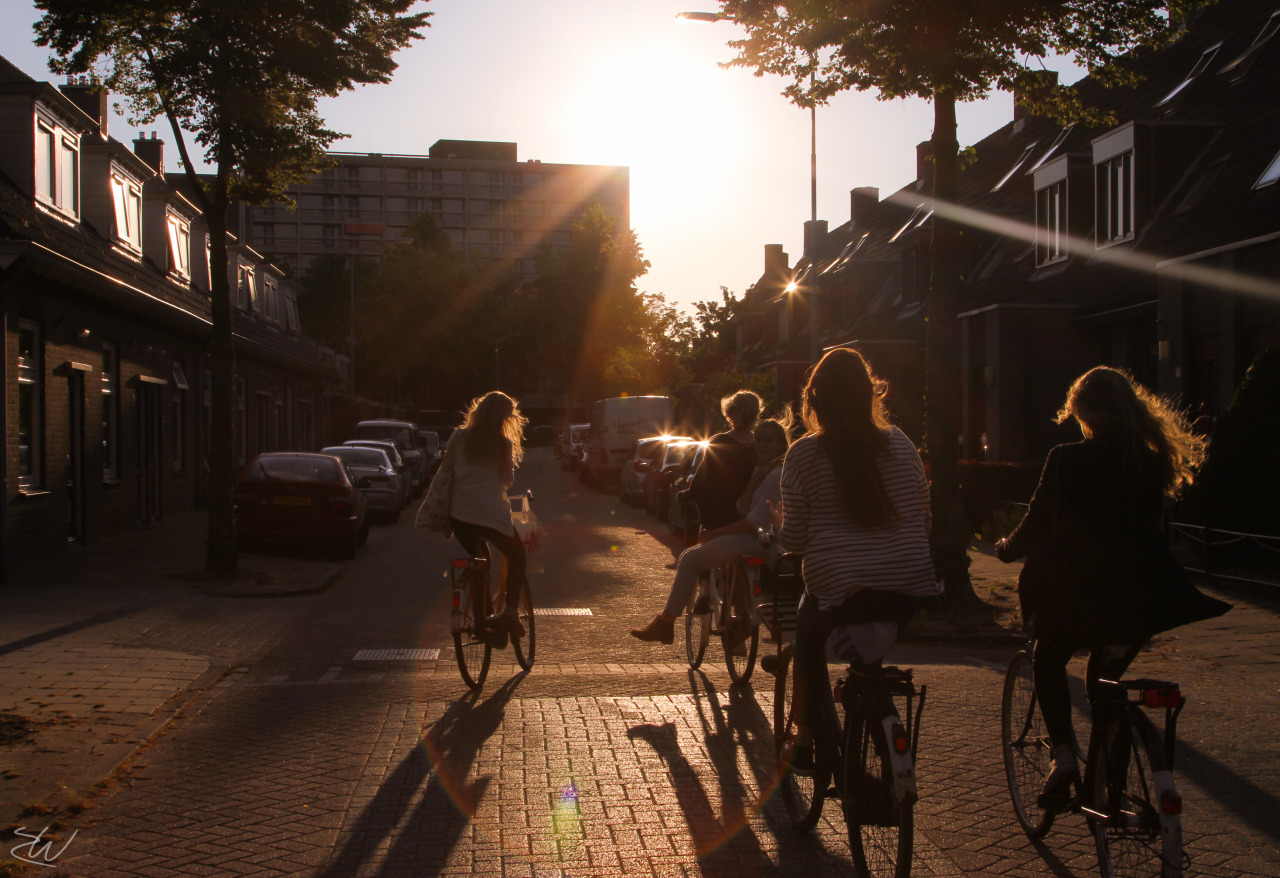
(1127, 795)
(873, 775)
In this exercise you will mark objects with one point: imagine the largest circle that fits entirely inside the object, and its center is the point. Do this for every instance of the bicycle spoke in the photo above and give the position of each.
(1133, 837)
(1028, 752)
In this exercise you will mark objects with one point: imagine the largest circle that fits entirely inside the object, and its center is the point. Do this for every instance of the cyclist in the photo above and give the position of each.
(855, 503)
(727, 463)
(1099, 573)
(729, 542)
(489, 450)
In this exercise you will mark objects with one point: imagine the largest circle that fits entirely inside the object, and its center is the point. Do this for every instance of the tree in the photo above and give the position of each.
(244, 79)
(947, 51)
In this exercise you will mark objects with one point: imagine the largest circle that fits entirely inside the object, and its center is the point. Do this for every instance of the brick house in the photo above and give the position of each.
(104, 280)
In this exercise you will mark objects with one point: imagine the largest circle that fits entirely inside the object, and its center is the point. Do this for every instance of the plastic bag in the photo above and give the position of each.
(526, 523)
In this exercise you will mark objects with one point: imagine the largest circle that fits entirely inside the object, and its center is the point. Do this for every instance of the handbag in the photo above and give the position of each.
(433, 513)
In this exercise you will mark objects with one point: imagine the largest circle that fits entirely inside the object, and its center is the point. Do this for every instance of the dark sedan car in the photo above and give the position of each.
(376, 478)
(299, 497)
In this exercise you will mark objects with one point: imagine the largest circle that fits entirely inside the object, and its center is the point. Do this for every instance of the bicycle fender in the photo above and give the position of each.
(905, 791)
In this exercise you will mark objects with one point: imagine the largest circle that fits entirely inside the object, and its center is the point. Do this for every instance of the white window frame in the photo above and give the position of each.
(1051, 223)
(1270, 175)
(57, 168)
(1022, 160)
(293, 323)
(1115, 203)
(179, 233)
(1206, 57)
(46, 163)
(30, 404)
(126, 197)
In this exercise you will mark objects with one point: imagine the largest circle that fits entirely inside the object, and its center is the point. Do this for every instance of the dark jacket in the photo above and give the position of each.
(721, 478)
(1098, 569)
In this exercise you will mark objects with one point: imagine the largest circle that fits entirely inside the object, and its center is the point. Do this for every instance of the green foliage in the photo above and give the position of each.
(961, 48)
(1239, 483)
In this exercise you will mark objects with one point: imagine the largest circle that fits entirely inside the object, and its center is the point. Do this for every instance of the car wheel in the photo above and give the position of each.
(362, 536)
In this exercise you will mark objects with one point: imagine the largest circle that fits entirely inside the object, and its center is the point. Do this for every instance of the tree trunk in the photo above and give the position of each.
(220, 546)
(950, 537)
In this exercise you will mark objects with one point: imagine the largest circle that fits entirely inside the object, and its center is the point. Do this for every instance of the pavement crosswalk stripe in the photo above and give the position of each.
(397, 655)
(562, 611)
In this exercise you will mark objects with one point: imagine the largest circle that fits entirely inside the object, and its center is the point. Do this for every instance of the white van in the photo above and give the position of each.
(615, 426)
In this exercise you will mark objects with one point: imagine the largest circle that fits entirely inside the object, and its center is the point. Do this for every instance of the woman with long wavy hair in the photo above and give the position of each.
(488, 445)
(855, 502)
(1099, 574)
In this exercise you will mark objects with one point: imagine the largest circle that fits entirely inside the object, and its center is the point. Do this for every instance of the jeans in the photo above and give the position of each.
(698, 560)
(1050, 663)
(509, 545)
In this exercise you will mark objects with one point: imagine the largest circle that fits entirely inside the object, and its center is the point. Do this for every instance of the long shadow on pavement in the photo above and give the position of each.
(422, 826)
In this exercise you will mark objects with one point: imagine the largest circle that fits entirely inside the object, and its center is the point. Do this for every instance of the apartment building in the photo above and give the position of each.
(490, 204)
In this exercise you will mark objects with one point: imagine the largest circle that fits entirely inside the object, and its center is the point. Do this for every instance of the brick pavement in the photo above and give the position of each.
(306, 762)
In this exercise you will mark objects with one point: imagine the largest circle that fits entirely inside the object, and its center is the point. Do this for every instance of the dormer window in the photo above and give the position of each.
(1114, 199)
(1053, 147)
(1202, 62)
(247, 289)
(269, 299)
(58, 168)
(126, 195)
(1051, 223)
(179, 246)
(918, 218)
(1238, 67)
(1022, 160)
(1271, 175)
(291, 313)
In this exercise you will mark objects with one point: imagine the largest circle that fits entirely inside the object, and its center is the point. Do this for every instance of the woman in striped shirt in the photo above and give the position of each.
(855, 502)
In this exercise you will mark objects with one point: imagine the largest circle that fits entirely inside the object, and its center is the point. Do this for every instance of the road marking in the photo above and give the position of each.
(397, 655)
(561, 611)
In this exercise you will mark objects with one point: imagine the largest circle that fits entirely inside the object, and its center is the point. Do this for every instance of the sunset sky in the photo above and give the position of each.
(719, 159)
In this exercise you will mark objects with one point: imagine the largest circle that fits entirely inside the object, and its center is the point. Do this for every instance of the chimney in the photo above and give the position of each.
(1040, 82)
(924, 166)
(89, 97)
(776, 262)
(150, 151)
(815, 231)
(861, 200)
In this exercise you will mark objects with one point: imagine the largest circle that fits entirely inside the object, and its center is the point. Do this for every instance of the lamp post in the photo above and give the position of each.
(497, 374)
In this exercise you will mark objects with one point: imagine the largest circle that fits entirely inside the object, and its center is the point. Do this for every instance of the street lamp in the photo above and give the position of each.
(497, 375)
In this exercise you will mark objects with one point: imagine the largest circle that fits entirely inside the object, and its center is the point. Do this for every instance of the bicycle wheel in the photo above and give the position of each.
(881, 830)
(738, 636)
(473, 652)
(802, 791)
(525, 646)
(1028, 753)
(1134, 837)
(697, 630)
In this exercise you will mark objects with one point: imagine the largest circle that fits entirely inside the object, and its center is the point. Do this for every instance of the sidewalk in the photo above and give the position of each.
(100, 650)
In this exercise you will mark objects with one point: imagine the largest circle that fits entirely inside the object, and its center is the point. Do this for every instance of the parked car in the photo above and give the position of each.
(615, 424)
(682, 517)
(541, 436)
(644, 453)
(298, 496)
(569, 450)
(405, 435)
(433, 448)
(657, 481)
(393, 452)
(377, 478)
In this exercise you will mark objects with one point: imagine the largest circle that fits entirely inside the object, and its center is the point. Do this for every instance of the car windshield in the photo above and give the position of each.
(295, 469)
(675, 454)
(578, 434)
(387, 447)
(359, 456)
(432, 442)
(384, 433)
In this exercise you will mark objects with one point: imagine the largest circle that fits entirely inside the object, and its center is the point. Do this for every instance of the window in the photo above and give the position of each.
(1241, 64)
(110, 410)
(1051, 223)
(30, 404)
(1201, 63)
(127, 198)
(179, 246)
(246, 289)
(269, 300)
(57, 168)
(1115, 201)
(1022, 160)
(918, 218)
(291, 303)
(1270, 175)
(1053, 147)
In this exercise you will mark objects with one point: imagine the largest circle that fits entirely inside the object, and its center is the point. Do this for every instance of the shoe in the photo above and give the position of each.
(769, 664)
(1061, 783)
(658, 631)
(507, 620)
(702, 605)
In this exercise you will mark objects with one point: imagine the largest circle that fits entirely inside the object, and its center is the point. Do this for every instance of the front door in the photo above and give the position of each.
(75, 456)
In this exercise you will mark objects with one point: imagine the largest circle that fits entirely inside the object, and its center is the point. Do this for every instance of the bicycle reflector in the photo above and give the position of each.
(753, 561)
(900, 743)
(1171, 804)
(1163, 696)
(459, 563)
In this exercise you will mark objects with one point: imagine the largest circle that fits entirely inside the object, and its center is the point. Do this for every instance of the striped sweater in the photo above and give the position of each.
(839, 558)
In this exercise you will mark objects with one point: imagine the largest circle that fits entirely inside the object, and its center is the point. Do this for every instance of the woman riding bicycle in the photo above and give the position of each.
(727, 462)
(489, 450)
(1099, 573)
(729, 542)
(856, 504)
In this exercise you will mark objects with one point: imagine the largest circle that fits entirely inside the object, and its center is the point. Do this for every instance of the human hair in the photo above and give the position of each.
(493, 424)
(844, 406)
(780, 427)
(1152, 436)
(741, 409)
